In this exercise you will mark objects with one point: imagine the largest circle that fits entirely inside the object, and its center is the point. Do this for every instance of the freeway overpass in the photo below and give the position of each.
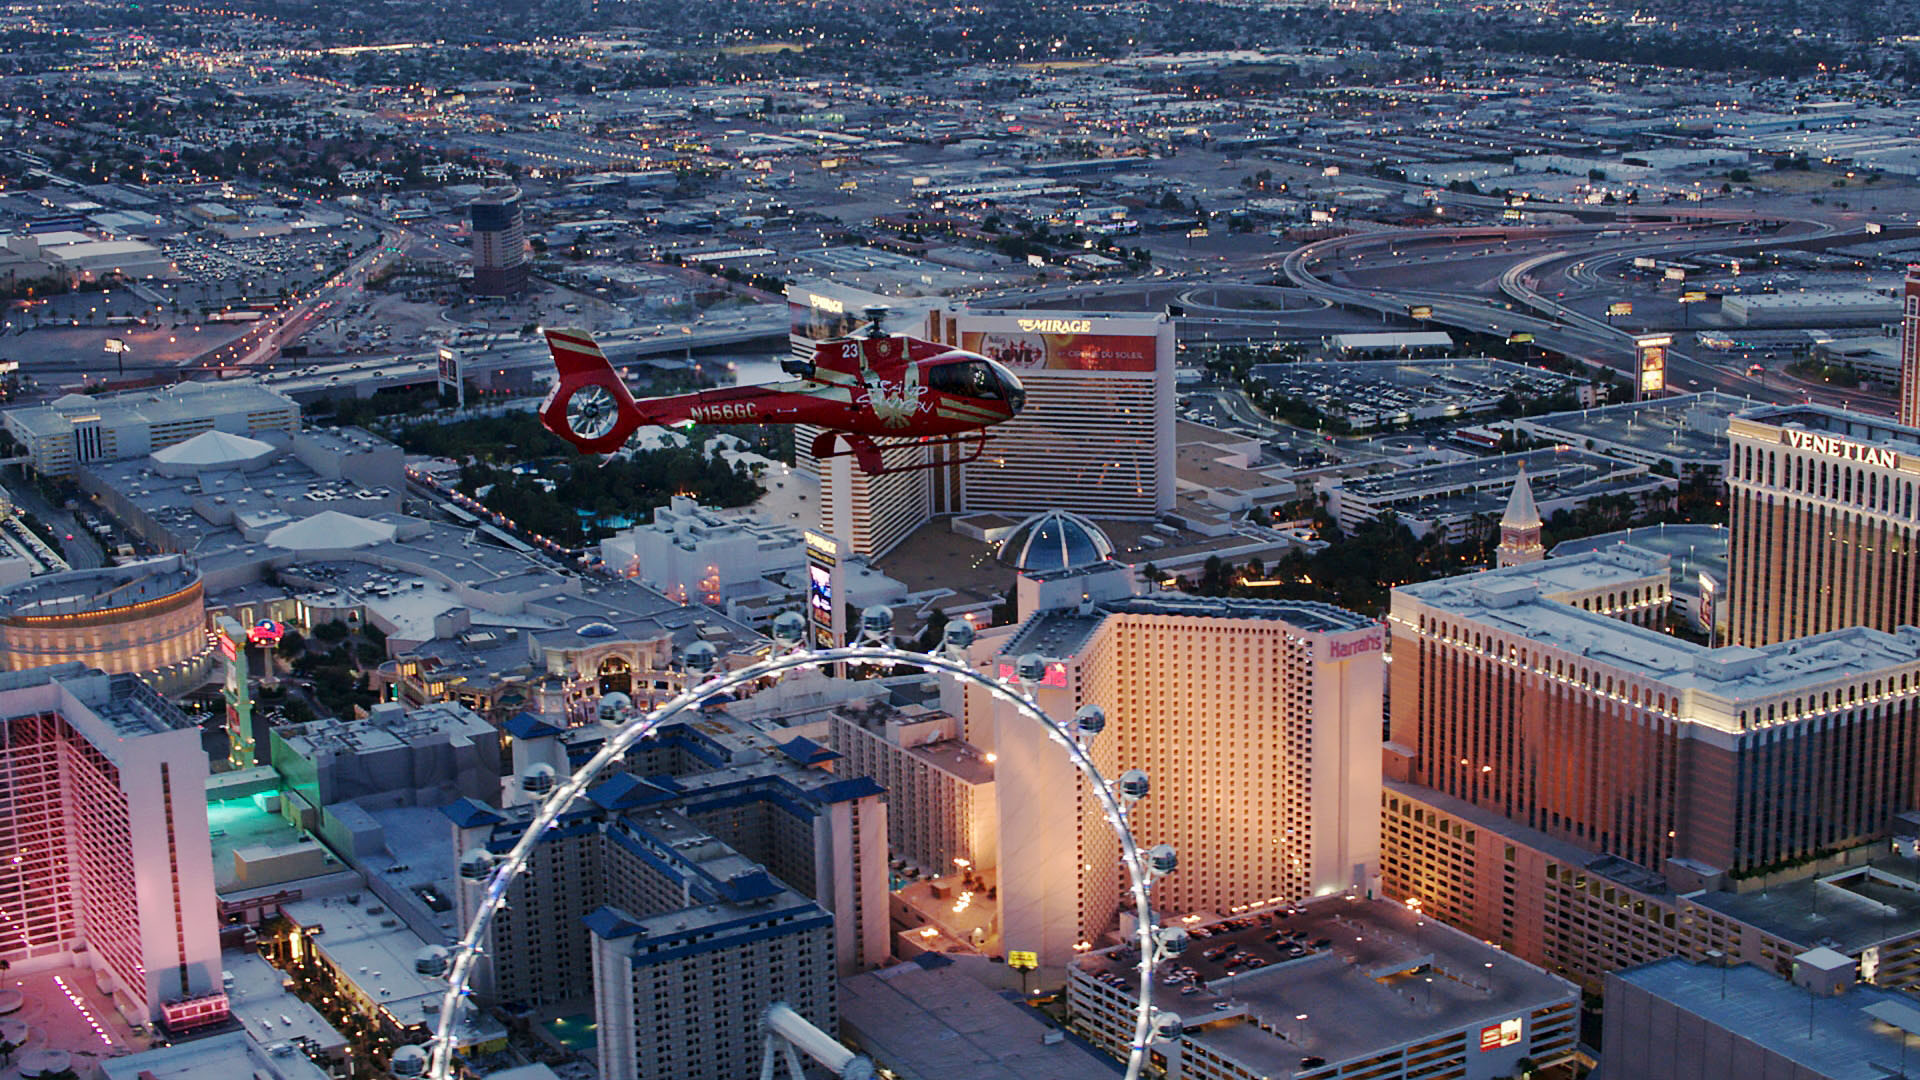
(363, 378)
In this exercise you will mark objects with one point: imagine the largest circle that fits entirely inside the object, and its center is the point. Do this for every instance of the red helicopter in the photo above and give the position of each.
(864, 389)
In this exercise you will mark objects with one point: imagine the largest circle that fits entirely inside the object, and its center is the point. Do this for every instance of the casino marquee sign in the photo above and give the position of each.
(1878, 456)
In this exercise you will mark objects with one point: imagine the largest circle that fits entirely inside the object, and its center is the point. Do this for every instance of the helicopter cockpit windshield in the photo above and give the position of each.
(978, 378)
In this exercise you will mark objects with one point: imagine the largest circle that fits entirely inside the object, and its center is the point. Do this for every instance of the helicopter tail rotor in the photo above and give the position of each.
(589, 405)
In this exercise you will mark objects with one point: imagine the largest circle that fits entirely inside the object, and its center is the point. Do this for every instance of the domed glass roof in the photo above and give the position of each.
(1055, 540)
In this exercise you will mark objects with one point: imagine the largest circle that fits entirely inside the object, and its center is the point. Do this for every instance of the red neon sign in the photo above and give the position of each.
(1056, 673)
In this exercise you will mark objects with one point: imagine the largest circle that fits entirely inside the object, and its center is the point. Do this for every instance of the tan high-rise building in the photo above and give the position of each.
(1910, 350)
(939, 788)
(1592, 794)
(1822, 523)
(1258, 725)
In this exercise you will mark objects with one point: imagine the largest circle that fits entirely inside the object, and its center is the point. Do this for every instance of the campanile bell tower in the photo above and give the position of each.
(1520, 527)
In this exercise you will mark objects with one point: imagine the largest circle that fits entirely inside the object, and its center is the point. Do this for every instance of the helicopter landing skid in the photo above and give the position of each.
(870, 455)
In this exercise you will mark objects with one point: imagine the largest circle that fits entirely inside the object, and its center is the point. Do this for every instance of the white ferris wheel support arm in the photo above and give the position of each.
(789, 1030)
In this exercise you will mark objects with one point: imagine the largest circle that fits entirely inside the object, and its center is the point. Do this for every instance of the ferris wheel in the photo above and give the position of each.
(785, 1030)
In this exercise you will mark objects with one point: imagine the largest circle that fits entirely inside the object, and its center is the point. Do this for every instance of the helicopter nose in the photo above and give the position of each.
(1014, 394)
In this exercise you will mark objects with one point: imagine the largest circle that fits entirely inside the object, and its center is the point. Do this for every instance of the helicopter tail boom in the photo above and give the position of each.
(589, 405)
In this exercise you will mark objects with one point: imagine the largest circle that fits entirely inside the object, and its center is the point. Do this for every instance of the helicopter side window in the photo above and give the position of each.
(968, 378)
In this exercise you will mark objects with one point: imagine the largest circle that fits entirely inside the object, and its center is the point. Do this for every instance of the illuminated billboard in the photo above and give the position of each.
(820, 593)
(824, 609)
(1068, 345)
(821, 312)
(1619, 307)
(820, 317)
(1651, 356)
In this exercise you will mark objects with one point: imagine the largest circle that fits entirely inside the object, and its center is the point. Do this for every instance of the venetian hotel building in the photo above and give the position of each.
(1622, 740)
(1822, 523)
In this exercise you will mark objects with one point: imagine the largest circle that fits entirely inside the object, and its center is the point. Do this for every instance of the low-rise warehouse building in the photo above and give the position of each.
(1458, 499)
(1812, 307)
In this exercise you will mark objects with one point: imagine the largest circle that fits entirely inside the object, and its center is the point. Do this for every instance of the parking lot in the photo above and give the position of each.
(1238, 945)
(1224, 949)
(293, 261)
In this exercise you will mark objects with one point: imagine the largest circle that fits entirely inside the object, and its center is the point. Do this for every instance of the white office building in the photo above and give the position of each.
(696, 556)
(79, 428)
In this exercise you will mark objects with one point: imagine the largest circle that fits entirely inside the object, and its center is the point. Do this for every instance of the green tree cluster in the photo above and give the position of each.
(574, 504)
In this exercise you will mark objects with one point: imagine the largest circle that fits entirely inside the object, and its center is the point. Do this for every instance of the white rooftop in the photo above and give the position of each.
(1824, 959)
(233, 1054)
(331, 530)
(266, 1009)
(213, 449)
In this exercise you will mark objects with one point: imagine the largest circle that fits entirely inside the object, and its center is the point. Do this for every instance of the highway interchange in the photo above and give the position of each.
(1553, 282)
(1550, 281)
